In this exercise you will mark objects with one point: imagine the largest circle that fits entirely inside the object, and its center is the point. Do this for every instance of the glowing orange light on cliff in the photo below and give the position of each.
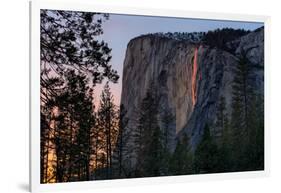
(194, 73)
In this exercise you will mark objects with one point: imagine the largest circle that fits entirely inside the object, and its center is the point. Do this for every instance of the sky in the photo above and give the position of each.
(120, 29)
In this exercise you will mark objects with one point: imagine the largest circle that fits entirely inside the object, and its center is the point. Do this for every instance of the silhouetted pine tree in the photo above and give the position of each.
(181, 162)
(247, 120)
(44, 138)
(154, 161)
(225, 163)
(241, 109)
(108, 119)
(224, 138)
(148, 129)
(221, 116)
(206, 154)
(122, 148)
(47, 95)
(255, 143)
(259, 133)
(168, 122)
(73, 128)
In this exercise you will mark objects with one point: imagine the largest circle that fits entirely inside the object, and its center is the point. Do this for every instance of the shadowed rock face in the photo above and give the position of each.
(189, 78)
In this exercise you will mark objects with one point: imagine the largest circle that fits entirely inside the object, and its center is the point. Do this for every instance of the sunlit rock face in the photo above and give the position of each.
(169, 65)
(189, 78)
(166, 63)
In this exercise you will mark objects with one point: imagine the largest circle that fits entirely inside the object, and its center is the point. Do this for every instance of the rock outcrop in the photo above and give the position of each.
(190, 78)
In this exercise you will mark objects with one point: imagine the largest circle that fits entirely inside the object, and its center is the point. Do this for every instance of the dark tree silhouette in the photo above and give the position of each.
(122, 149)
(149, 138)
(240, 119)
(181, 162)
(72, 128)
(206, 154)
(73, 59)
(108, 120)
(69, 39)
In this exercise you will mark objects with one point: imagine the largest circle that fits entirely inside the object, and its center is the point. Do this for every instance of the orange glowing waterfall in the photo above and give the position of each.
(194, 73)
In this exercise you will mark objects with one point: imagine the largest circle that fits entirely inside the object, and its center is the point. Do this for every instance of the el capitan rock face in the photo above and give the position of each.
(189, 78)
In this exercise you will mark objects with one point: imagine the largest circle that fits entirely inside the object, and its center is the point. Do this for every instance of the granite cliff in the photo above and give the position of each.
(189, 77)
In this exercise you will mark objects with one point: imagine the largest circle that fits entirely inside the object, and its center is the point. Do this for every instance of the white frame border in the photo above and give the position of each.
(34, 102)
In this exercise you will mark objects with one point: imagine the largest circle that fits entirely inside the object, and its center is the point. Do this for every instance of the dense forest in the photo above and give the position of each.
(81, 141)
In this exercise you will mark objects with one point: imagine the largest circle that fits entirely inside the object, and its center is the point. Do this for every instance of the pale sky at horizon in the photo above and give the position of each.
(120, 29)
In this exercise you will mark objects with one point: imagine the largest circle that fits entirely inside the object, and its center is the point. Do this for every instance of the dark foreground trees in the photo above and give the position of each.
(206, 154)
(79, 141)
(247, 119)
(73, 61)
(182, 160)
(68, 146)
(149, 138)
(108, 126)
(75, 121)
